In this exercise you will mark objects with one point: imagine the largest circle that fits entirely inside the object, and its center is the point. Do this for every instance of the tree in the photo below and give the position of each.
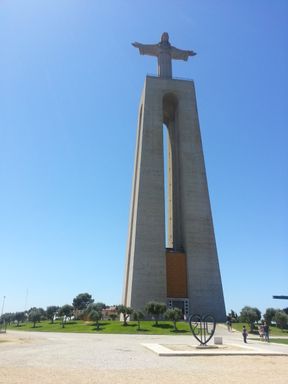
(125, 311)
(250, 315)
(269, 315)
(174, 315)
(40, 310)
(91, 307)
(19, 317)
(51, 312)
(155, 309)
(281, 319)
(113, 316)
(34, 317)
(7, 318)
(138, 316)
(234, 316)
(95, 316)
(100, 306)
(81, 302)
(64, 312)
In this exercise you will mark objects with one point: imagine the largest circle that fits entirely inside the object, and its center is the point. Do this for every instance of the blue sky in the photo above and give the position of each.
(70, 85)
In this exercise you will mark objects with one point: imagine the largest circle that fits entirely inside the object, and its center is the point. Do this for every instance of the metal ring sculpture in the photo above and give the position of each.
(203, 327)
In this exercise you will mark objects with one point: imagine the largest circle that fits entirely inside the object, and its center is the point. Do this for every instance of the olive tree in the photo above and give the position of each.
(94, 307)
(269, 315)
(65, 311)
(19, 317)
(250, 315)
(155, 309)
(7, 318)
(100, 306)
(125, 312)
(34, 316)
(42, 312)
(96, 316)
(174, 315)
(51, 312)
(81, 302)
(138, 316)
(281, 319)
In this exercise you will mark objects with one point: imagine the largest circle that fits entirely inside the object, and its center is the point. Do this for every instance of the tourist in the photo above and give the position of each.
(244, 334)
(229, 323)
(266, 332)
(261, 332)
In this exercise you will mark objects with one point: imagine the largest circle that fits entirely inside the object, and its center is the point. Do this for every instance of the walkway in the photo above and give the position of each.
(52, 358)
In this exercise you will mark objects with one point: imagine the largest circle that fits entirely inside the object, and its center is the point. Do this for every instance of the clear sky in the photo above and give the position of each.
(70, 85)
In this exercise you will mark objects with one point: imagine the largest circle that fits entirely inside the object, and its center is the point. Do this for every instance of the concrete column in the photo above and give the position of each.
(172, 102)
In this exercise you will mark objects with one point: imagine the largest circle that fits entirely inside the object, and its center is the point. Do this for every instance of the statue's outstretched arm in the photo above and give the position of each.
(147, 49)
(179, 54)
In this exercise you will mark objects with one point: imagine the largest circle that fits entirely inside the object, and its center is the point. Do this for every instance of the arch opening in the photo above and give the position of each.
(171, 173)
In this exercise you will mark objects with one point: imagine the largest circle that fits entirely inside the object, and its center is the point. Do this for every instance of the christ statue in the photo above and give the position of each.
(164, 52)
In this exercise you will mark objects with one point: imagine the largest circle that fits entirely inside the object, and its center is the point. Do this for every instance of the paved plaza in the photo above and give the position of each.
(34, 357)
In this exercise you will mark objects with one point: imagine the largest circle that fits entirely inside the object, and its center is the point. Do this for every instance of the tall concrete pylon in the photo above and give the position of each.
(174, 259)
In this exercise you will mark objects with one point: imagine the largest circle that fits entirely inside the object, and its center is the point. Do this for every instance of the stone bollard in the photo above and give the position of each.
(218, 340)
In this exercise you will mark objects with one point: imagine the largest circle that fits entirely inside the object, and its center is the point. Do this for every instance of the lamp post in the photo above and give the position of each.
(2, 310)
(2, 322)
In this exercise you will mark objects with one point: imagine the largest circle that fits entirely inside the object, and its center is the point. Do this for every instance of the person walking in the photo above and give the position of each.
(244, 334)
(261, 332)
(266, 332)
(229, 323)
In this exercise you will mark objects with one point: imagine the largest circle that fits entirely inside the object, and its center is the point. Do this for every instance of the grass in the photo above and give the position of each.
(279, 341)
(116, 327)
(276, 340)
(274, 331)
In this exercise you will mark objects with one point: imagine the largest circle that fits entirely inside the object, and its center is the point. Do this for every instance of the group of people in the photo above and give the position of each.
(263, 330)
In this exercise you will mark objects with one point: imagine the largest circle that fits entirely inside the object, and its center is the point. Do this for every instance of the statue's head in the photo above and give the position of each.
(164, 37)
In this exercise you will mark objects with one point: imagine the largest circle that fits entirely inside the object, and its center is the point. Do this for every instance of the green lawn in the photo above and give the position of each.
(276, 340)
(274, 331)
(279, 341)
(147, 327)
